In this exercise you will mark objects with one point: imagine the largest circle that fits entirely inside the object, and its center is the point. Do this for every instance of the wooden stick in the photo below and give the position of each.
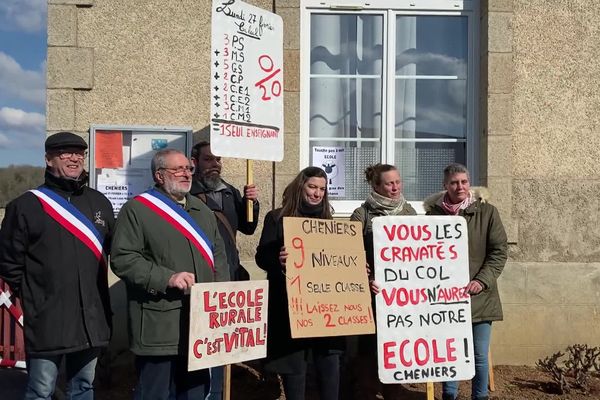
(430, 391)
(227, 382)
(249, 181)
(491, 372)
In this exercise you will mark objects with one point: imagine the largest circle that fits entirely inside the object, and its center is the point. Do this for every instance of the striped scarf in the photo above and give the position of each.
(454, 209)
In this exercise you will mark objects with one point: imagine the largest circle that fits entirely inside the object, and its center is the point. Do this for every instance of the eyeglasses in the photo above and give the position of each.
(79, 155)
(180, 171)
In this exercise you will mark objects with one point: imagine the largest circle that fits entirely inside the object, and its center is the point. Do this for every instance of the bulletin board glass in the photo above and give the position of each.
(120, 157)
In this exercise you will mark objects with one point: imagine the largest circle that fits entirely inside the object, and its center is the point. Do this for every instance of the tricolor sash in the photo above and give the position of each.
(180, 220)
(70, 218)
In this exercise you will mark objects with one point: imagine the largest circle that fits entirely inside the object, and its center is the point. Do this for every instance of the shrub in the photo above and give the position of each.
(575, 370)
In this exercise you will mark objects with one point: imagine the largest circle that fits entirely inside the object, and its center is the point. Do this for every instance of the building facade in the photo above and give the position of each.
(507, 87)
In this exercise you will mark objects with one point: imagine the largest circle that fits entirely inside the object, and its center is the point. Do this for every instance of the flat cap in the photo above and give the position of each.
(63, 140)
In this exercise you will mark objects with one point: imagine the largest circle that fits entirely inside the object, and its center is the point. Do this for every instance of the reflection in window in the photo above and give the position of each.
(424, 122)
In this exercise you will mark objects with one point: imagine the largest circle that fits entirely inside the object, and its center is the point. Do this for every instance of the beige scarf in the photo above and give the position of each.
(384, 204)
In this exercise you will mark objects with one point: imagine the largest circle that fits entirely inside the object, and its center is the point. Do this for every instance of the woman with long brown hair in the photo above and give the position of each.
(305, 196)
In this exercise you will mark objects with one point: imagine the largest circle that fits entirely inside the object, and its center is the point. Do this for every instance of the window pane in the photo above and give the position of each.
(347, 44)
(356, 158)
(431, 108)
(343, 107)
(421, 166)
(431, 45)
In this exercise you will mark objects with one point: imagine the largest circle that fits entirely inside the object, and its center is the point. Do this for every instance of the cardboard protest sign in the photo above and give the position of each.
(228, 323)
(246, 81)
(327, 284)
(423, 313)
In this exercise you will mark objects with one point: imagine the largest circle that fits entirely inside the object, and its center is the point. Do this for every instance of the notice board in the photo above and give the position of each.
(120, 157)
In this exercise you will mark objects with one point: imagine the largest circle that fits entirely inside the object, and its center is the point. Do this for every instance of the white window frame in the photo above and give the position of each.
(389, 9)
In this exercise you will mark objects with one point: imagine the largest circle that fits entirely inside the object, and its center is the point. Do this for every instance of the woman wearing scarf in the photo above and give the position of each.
(385, 199)
(305, 196)
(487, 256)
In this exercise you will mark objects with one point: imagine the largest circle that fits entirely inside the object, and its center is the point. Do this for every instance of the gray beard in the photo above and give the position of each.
(172, 189)
(211, 183)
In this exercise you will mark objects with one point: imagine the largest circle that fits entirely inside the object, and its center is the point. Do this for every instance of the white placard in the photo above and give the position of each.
(332, 161)
(424, 330)
(246, 81)
(228, 323)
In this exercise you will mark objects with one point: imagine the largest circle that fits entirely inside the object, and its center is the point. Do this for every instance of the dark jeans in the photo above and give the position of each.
(80, 369)
(167, 378)
(328, 379)
(216, 383)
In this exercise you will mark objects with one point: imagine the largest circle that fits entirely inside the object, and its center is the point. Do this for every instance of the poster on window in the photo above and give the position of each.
(246, 82)
(423, 312)
(332, 161)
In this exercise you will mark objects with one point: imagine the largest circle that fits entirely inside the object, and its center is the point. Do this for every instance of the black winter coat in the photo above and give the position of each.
(63, 287)
(234, 209)
(284, 354)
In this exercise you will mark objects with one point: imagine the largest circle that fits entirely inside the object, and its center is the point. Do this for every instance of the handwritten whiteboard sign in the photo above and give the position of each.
(327, 284)
(228, 323)
(423, 313)
(247, 82)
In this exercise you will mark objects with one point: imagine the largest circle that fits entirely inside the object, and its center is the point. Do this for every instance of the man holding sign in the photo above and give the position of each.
(487, 256)
(165, 241)
(226, 202)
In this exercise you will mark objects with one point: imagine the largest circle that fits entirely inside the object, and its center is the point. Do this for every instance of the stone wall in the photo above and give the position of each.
(551, 287)
(115, 62)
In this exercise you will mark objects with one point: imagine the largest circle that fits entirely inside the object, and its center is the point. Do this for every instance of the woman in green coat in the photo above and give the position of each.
(487, 256)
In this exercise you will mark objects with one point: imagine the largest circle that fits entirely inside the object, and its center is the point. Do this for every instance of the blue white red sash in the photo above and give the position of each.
(172, 213)
(70, 218)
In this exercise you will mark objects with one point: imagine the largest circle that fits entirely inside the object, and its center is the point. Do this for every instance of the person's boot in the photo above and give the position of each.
(447, 397)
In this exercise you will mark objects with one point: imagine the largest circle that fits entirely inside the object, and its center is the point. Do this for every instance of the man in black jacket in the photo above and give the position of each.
(224, 200)
(230, 209)
(53, 246)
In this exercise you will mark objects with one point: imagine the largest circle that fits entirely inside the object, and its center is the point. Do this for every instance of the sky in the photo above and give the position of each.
(22, 81)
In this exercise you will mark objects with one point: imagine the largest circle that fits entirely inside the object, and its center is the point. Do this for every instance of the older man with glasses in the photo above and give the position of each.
(53, 246)
(165, 241)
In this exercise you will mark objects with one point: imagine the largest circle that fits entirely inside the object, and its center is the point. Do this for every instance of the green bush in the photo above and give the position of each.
(15, 180)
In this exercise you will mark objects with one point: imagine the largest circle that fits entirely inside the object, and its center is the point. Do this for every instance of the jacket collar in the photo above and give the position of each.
(68, 186)
(199, 187)
(191, 202)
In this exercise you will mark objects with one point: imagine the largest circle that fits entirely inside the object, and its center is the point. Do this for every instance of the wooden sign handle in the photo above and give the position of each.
(249, 181)
(430, 391)
(227, 382)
